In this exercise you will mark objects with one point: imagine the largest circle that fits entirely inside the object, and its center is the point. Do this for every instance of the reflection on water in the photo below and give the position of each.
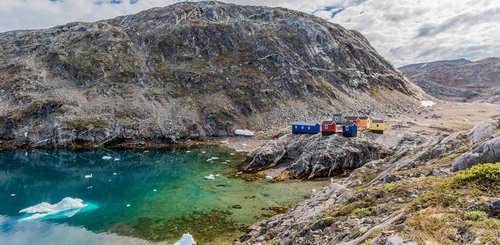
(13, 232)
(153, 195)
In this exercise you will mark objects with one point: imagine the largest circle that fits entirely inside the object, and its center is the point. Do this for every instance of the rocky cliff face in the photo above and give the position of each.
(458, 80)
(186, 71)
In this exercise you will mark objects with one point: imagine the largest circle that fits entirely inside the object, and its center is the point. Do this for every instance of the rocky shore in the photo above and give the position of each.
(394, 192)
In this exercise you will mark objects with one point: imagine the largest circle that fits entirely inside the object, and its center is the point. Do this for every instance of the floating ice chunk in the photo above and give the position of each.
(128, 205)
(217, 175)
(427, 103)
(232, 154)
(186, 239)
(114, 173)
(146, 151)
(90, 187)
(12, 195)
(43, 209)
(210, 177)
(244, 132)
(188, 151)
(224, 142)
(203, 152)
(107, 158)
(117, 159)
(88, 176)
(155, 190)
(269, 177)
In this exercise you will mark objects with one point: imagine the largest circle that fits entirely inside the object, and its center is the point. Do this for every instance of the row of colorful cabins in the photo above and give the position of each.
(348, 126)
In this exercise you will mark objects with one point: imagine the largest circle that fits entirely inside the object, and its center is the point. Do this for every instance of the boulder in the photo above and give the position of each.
(483, 130)
(486, 152)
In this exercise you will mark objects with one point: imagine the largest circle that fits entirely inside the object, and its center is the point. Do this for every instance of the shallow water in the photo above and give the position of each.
(142, 195)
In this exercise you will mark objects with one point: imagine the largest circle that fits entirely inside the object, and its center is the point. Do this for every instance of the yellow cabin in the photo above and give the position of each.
(377, 126)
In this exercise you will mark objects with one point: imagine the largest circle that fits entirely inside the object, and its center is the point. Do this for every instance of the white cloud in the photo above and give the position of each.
(404, 31)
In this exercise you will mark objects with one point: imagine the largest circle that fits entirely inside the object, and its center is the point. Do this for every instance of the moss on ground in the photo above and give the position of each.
(85, 123)
(438, 208)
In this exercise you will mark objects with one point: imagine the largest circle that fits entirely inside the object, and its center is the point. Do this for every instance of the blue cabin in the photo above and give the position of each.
(305, 128)
(350, 130)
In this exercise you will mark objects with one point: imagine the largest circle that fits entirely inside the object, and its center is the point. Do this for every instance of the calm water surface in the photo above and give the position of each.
(143, 196)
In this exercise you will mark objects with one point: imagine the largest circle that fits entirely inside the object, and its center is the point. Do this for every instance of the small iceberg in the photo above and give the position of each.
(244, 132)
(210, 177)
(107, 158)
(212, 158)
(117, 159)
(427, 103)
(66, 208)
(186, 239)
(89, 176)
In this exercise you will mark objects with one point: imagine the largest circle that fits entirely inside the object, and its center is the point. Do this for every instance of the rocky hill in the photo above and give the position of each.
(458, 80)
(185, 71)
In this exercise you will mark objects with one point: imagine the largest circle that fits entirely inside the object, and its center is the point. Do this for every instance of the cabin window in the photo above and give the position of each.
(302, 127)
(295, 127)
(308, 127)
(336, 119)
(378, 126)
(346, 128)
(326, 126)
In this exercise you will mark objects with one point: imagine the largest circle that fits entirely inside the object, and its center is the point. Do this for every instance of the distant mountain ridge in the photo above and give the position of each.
(458, 80)
(185, 71)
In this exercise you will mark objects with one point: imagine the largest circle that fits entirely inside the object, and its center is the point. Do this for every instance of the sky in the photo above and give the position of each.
(403, 31)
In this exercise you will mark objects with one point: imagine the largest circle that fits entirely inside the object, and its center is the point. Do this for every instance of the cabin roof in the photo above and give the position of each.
(349, 124)
(351, 117)
(305, 123)
(337, 115)
(327, 122)
(364, 117)
(378, 121)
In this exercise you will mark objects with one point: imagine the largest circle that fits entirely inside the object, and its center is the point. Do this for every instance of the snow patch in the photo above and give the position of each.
(427, 103)
(244, 132)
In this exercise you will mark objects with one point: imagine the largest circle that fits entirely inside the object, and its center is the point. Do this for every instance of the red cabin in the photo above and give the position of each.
(328, 128)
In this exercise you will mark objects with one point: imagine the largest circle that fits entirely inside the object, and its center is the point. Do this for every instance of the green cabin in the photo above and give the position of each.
(338, 119)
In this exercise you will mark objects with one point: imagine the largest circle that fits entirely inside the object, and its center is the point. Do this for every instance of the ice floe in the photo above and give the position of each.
(117, 159)
(89, 176)
(244, 132)
(186, 239)
(210, 177)
(45, 209)
(107, 158)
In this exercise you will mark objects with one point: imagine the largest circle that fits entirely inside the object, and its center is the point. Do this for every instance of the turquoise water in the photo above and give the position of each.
(138, 196)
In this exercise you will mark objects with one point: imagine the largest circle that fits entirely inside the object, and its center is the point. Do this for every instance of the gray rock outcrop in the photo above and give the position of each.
(310, 156)
(486, 152)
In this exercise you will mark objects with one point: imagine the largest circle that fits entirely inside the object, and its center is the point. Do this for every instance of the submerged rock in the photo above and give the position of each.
(311, 156)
